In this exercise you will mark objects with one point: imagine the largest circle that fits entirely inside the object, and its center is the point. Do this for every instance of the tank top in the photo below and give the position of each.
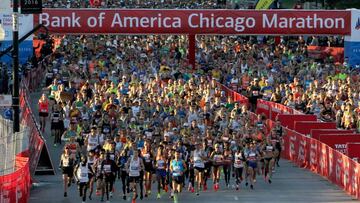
(106, 167)
(218, 158)
(93, 142)
(161, 164)
(198, 162)
(134, 169)
(72, 147)
(66, 161)
(238, 163)
(269, 148)
(147, 157)
(252, 156)
(44, 106)
(178, 167)
(83, 174)
(55, 117)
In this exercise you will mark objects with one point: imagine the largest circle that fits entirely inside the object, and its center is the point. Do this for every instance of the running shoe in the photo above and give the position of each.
(158, 196)
(270, 181)
(197, 194)
(97, 192)
(90, 198)
(65, 194)
(192, 189)
(175, 198)
(252, 187)
(172, 194)
(55, 145)
(111, 194)
(237, 187)
(149, 192)
(124, 197)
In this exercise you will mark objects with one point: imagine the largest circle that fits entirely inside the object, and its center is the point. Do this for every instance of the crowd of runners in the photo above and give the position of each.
(139, 113)
(132, 109)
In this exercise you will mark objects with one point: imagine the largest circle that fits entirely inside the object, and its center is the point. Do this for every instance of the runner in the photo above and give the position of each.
(239, 160)
(122, 160)
(134, 166)
(67, 162)
(217, 158)
(198, 158)
(148, 160)
(108, 168)
(177, 169)
(269, 158)
(228, 160)
(81, 173)
(91, 159)
(43, 111)
(161, 168)
(252, 162)
(57, 123)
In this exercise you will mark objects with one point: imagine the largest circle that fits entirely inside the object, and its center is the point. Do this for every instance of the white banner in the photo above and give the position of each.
(25, 25)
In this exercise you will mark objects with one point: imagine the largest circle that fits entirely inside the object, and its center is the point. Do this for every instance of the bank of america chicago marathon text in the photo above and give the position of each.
(194, 21)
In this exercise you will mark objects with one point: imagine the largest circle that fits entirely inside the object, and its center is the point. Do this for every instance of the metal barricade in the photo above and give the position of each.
(11, 144)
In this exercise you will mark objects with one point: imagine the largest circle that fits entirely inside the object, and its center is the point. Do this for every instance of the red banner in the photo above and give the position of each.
(277, 109)
(289, 120)
(338, 141)
(239, 22)
(315, 133)
(353, 151)
(234, 95)
(263, 107)
(304, 127)
(314, 155)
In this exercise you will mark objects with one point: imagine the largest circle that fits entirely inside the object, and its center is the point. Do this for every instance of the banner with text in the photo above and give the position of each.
(239, 22)
(339, 141)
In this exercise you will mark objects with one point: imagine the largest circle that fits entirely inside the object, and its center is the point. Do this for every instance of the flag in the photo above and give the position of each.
(264, 4)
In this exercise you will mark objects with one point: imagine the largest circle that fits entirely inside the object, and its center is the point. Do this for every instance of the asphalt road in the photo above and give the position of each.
(290, 184)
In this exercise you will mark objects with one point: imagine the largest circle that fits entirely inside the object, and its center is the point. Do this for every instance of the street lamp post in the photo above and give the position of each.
(15, 55)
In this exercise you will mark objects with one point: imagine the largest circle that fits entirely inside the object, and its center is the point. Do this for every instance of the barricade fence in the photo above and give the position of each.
(310, 153)
(20, 152)
(11, 144)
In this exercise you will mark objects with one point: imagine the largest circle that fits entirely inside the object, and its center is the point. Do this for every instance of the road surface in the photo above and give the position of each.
(290, 184)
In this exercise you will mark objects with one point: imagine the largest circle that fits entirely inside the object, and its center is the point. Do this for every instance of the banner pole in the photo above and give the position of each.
(15, 55)
(191, 50)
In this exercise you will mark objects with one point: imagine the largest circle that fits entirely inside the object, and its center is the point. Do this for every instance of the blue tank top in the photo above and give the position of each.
(177, 167)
